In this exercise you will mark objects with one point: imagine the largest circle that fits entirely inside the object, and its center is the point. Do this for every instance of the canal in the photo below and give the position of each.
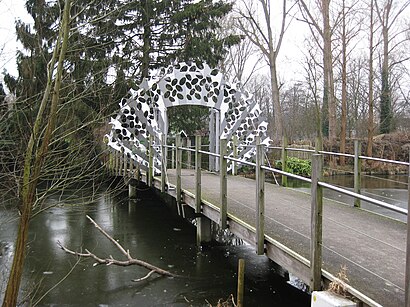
(152, 233)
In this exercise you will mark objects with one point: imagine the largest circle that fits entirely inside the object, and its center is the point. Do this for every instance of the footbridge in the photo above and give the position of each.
(310, 236)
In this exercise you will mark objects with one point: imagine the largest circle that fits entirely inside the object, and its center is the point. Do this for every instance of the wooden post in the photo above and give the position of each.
(125, 165)
(223, 183)
(284, 160)
(163, 164)
(131, 168)
(241, 282)
(198, 161)
(173, 156)
(235, 155)
(316, 223)
(111, 162)
(260, 201)
(189, 155)
(115, 163)
(407, 278)
(357, 171)
(118, 164)
(178, 166)
(212, 140)
(150, 161)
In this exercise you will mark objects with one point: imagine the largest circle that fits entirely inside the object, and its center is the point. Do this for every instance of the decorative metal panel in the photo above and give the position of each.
(144, 113)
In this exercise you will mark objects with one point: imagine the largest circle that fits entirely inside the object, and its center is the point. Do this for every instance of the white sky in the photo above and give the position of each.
(10, 10)
(289, 61)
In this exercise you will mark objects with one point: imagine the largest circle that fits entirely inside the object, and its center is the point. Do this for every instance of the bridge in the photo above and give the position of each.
(310, 236)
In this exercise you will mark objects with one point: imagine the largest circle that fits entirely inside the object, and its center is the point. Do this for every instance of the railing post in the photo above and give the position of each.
(163, 163)
(150, 161)
(407, 278)
(235, 155)
(357, 171)
(198, 161)
(284, 161)
(178, 168)
(132, 182)
(125, 165)
(189, 155)
(173, 156)
(223, 182)
(118, 173)
(131, 170)
(111, 157)
(260, 201)
(316, 223)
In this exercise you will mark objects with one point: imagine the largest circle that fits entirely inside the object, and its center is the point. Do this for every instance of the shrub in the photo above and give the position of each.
(296, 166)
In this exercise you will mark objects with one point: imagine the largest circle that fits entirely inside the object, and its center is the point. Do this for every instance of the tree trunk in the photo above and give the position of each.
(370, 122)
(146, 49)
(277, 110)
(385, 97)
(328, 95)
(344, 89)
(32, 168)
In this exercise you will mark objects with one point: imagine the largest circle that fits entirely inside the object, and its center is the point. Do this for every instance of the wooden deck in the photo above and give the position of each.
(372, 247)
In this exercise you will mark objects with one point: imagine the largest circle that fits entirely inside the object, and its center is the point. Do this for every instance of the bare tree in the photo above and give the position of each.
(239, 65)
(388, 15)
(34, 158)
(370, 121)
(262, 35)
(325, 33)
(346, 30)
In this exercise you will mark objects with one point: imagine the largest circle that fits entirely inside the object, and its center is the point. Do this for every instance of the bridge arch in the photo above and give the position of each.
(233, 112)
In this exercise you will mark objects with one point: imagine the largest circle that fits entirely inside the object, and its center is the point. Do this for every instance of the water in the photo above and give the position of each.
(391, 189)
(152, 233)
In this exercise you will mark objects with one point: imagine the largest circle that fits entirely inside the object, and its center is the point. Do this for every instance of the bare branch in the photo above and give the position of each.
(110, 260)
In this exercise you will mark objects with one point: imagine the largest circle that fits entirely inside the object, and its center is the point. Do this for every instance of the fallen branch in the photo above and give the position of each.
(108, 261)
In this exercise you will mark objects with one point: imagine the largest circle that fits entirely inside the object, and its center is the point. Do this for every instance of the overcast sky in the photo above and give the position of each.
(9, 11)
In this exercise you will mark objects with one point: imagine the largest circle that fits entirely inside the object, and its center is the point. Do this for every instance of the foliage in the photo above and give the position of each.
(296, 166)
(187, 118)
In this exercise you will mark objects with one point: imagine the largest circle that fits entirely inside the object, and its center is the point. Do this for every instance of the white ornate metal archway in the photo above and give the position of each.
(232, 112)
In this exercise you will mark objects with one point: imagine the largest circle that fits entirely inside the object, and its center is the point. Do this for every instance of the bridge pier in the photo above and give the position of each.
(132, 189)
(203, 230)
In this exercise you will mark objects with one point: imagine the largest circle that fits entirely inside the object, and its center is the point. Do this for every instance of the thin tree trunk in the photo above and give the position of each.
(370, 122)
(344, 89)
(146, 50)
(276, 102)
(33, 168)
(328, 73)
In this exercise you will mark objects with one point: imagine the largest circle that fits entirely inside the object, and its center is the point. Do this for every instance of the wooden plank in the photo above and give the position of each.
(260, 201)
(357, 171)
(223, 182)
(316, 223)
